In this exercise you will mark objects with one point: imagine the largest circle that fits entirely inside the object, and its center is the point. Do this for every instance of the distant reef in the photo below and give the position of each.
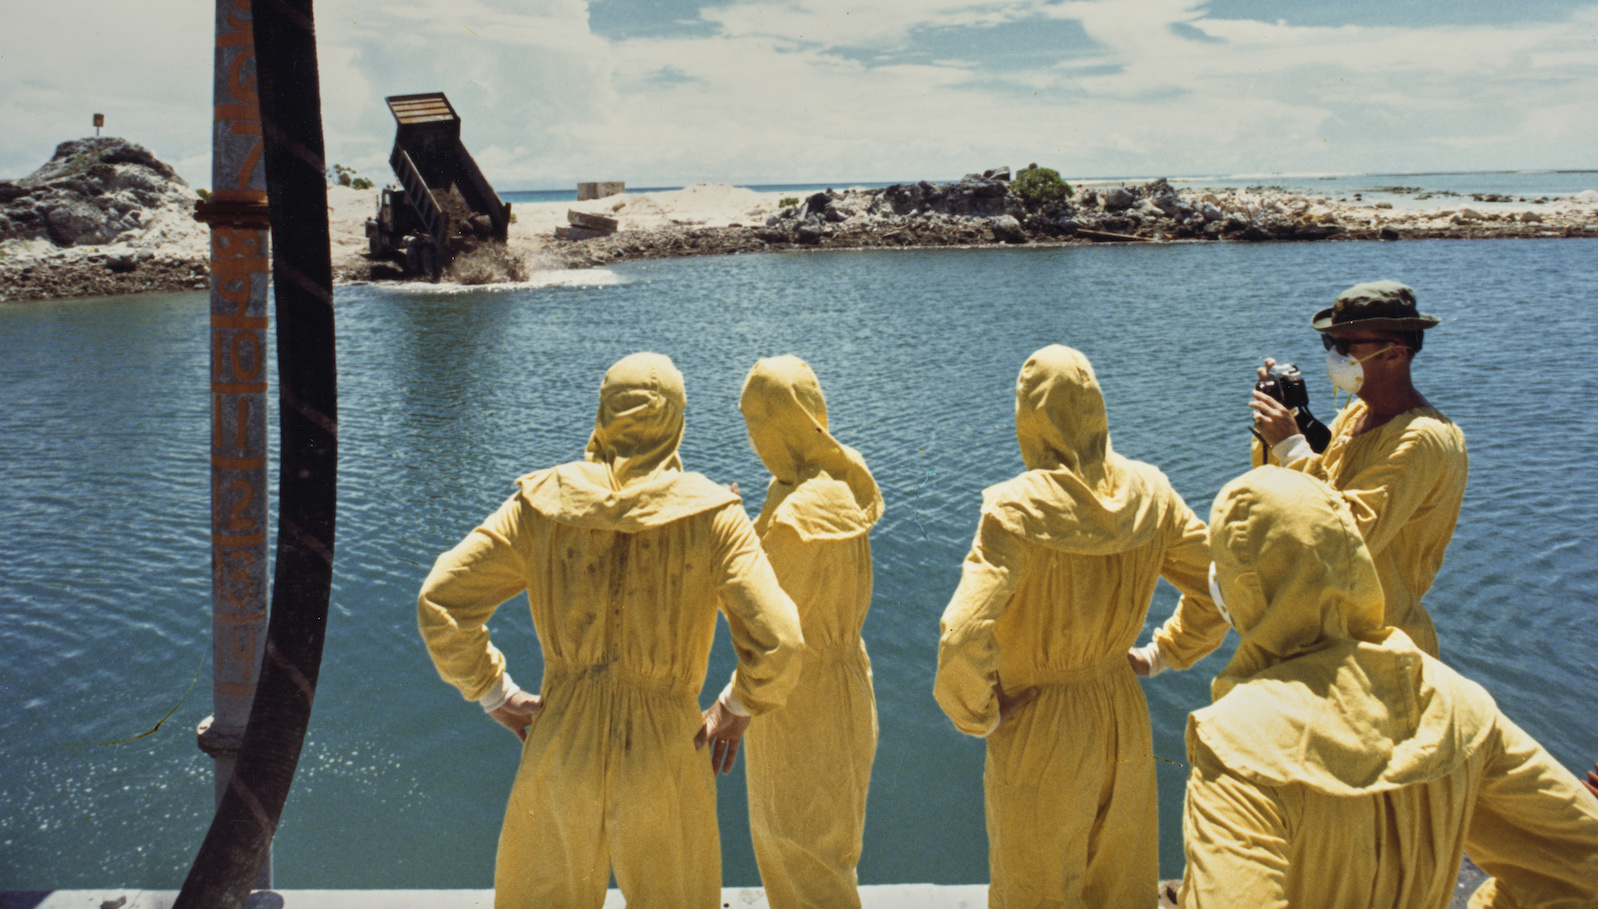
(104, 216)
(984, 209)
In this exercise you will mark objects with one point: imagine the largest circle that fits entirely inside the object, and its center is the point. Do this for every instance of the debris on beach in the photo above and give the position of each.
(586, 226)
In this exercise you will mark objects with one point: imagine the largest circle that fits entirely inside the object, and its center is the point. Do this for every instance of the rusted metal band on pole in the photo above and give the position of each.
(243, 214)
(237, 215)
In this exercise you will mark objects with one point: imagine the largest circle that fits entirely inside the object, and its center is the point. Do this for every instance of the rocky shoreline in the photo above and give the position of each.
(980, 211)
(105, 217)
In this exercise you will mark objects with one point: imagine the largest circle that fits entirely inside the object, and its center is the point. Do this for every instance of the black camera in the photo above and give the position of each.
(1286, 384)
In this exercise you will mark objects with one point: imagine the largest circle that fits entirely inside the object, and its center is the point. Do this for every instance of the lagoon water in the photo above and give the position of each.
(446, 396)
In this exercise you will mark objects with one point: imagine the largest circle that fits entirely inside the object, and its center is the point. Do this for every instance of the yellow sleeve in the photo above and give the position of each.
(1313, 464)
(1235, 835)
(1385, 495)
(461, 593)
(762, 618)
(1196, 628)
(1534, 830)
(968, 651)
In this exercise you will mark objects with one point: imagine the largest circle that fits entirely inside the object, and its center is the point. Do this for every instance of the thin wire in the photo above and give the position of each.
(158, 723)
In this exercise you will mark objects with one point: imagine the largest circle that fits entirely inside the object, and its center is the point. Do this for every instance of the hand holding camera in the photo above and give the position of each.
(1284, 385)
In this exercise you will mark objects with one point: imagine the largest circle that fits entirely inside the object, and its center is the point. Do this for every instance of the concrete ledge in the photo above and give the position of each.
(872, 896)
(875, 896)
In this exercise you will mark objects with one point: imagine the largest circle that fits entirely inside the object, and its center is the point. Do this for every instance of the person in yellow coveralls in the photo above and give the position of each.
(1340, 766)
(1398, 462)
(624, 558)
(809, 763)
(1034, 642)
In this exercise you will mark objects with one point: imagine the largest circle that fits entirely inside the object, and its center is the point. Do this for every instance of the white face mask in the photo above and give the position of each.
(1347, 373)
(1215, 594)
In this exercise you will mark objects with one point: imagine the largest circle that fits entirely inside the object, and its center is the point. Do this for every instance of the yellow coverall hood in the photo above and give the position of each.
(639, 424)
(1077, 494)
(1059, 413)
(1319, 691)
(819, 486)
(632, 479)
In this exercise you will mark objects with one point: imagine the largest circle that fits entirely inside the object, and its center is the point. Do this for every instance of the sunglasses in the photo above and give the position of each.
(1341, 345)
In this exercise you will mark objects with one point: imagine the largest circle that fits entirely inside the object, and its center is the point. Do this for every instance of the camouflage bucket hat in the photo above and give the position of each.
(1380, 305)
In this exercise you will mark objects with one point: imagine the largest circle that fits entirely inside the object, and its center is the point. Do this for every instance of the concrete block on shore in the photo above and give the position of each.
(592, 222)
(599, 190)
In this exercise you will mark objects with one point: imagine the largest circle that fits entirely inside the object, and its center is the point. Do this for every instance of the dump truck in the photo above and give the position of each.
(442, 204)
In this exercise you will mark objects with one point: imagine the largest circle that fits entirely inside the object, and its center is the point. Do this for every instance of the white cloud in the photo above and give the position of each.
(146, 66)
(845, 23)
(820, 90)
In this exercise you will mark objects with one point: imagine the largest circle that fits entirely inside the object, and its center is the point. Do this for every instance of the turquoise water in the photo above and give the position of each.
(447, 396)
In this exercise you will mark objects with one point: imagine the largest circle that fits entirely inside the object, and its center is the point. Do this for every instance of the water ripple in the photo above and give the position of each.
(448, 394)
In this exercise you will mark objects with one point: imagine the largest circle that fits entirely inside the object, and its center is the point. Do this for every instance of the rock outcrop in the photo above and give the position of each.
(102, 216)
(982, 209)
(92, 192)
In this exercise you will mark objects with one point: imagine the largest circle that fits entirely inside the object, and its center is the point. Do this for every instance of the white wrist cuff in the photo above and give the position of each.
(496, 697)
(1291, 449)
(1156, 659)
(731, 702)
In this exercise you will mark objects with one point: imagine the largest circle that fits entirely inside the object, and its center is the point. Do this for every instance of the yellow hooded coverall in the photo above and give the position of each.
(1054, 591)
(809, 763)
(1404, 482)
(624, 558)
(1340, 766)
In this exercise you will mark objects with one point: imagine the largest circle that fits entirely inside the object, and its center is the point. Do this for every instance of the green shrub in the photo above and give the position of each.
(1040, 185)
(203, 193)
(360, 183)
(787, 201)
(339, 175)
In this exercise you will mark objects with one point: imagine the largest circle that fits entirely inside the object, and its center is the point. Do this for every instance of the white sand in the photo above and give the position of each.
(700, 205)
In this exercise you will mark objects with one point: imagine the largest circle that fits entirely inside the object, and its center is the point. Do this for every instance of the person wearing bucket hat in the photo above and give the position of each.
(1398, 462)
(624, 558)
(1340, 767)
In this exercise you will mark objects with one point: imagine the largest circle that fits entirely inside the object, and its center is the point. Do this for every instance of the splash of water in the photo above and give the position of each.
(487, 263)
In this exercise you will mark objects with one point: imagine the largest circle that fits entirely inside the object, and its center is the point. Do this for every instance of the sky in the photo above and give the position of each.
(673, 92)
